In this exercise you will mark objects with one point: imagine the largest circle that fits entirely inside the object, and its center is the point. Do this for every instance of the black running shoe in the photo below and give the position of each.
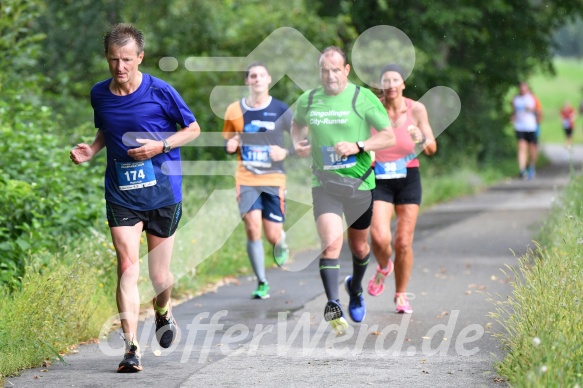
(334, 315)
(165, 328)
(131, 361)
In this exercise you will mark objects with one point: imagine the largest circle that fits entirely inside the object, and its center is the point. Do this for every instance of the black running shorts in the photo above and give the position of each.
(530, 137)
(357, 210)
(400, 191)
(161, 222)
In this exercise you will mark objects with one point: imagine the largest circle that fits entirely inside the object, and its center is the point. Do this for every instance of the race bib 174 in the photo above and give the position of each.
(135, 175)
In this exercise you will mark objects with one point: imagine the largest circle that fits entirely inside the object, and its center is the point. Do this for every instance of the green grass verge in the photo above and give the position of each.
(58, 305)
(439, 186)
(543, 317)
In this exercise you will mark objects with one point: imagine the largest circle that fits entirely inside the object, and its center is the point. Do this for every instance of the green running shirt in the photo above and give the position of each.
(332, 119)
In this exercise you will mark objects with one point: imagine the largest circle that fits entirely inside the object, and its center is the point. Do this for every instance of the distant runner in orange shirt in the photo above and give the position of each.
(568, 122)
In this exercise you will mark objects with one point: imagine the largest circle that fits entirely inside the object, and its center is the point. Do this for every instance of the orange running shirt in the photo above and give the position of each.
(259, 128)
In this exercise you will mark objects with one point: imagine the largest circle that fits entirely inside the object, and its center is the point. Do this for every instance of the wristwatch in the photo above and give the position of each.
(360, 145)
(167, 147)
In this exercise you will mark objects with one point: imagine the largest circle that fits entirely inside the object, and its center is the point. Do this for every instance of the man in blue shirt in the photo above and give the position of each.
(137, 117)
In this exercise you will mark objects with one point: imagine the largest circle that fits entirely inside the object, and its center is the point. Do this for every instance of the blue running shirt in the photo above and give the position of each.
(153, 111)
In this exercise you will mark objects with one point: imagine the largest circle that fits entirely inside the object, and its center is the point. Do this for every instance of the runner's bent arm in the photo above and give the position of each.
(422, 121)
(152, 148)
(232, 127)
(184, 136)
(384, 138)
(84, 152)
(299, 135)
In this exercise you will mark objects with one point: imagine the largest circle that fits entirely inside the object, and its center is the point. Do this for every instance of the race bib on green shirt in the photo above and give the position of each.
(332, 161)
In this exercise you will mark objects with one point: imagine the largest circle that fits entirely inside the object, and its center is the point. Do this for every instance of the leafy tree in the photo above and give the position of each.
(481, 51)
(73, 59)
(73, 43)
(18, 44)
(569, 39)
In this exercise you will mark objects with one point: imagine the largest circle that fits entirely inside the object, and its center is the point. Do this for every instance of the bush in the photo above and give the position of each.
(45, 200)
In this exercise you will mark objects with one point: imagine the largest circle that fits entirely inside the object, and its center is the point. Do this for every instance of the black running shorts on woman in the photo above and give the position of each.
(400, 191)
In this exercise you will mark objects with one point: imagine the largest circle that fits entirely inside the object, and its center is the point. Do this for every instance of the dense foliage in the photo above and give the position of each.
(568, 41)
(481, 51)
(43, 203)
(45, 200)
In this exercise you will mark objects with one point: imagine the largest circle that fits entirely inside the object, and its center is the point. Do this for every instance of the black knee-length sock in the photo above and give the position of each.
(358, 270)
(330, 273)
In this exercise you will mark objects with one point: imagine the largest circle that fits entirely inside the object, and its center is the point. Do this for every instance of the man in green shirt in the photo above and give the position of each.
(332, 125)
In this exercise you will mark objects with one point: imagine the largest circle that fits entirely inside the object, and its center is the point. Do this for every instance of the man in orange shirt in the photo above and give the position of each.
(253, 129)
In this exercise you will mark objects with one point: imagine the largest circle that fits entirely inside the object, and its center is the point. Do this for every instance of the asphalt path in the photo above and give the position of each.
(227, 339)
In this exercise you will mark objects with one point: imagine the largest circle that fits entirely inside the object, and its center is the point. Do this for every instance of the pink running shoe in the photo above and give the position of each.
(402, 304)
(376, 285)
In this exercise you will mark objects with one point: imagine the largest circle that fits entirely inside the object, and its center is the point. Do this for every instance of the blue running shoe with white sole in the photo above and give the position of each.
(356, 307)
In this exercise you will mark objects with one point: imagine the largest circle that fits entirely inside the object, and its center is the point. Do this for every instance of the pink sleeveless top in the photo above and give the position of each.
(404, 146)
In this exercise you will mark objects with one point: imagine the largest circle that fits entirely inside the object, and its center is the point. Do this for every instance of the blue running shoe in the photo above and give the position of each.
(531, 172)
(333, 314)
(356, 307)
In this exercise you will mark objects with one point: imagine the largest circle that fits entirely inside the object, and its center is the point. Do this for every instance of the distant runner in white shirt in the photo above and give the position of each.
(525, 124)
